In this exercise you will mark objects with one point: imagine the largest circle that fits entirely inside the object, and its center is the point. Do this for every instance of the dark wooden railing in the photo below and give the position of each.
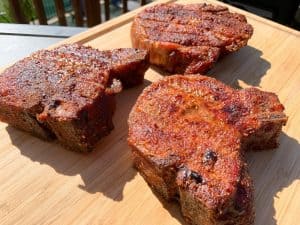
(17, 11)
(77, 11)
(60, 11)
(40, 12)
(91, 7)
(93, 12)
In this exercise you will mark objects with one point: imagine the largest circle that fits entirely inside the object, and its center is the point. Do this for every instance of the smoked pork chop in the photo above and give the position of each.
(68, 92)
(188, 38)
(188, 135)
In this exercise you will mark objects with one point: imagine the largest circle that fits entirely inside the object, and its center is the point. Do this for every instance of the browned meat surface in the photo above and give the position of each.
(68, 93)
(188, 134)
(188, 38)
(125, 64)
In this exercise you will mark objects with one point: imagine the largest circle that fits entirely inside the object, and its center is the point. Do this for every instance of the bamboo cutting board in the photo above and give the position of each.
(41, 183)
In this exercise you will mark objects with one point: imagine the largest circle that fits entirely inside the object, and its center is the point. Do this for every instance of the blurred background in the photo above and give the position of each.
(286, 12)
(76, 12)
(88, 13)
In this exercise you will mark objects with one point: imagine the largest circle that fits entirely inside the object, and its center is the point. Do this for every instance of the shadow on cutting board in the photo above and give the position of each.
(272, 171)
(107, 169)
(246, 65)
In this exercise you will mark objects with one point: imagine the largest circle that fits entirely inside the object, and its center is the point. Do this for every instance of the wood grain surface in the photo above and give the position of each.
(42, 183)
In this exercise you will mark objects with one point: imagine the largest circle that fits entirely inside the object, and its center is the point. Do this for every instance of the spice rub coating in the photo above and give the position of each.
(188, 134)
(188, 39)
(68, 92)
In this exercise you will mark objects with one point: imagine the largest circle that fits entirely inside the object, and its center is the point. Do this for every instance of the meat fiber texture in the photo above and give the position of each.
(189, 39)
(68, 93)
(188, 135)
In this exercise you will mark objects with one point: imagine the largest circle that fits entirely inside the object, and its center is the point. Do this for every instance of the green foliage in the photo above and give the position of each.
(28, 9)
(6, 14)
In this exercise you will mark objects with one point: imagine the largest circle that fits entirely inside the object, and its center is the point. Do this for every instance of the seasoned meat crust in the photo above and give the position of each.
(68, 92)
(188, 38)
(188, 134)
(125, 64)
